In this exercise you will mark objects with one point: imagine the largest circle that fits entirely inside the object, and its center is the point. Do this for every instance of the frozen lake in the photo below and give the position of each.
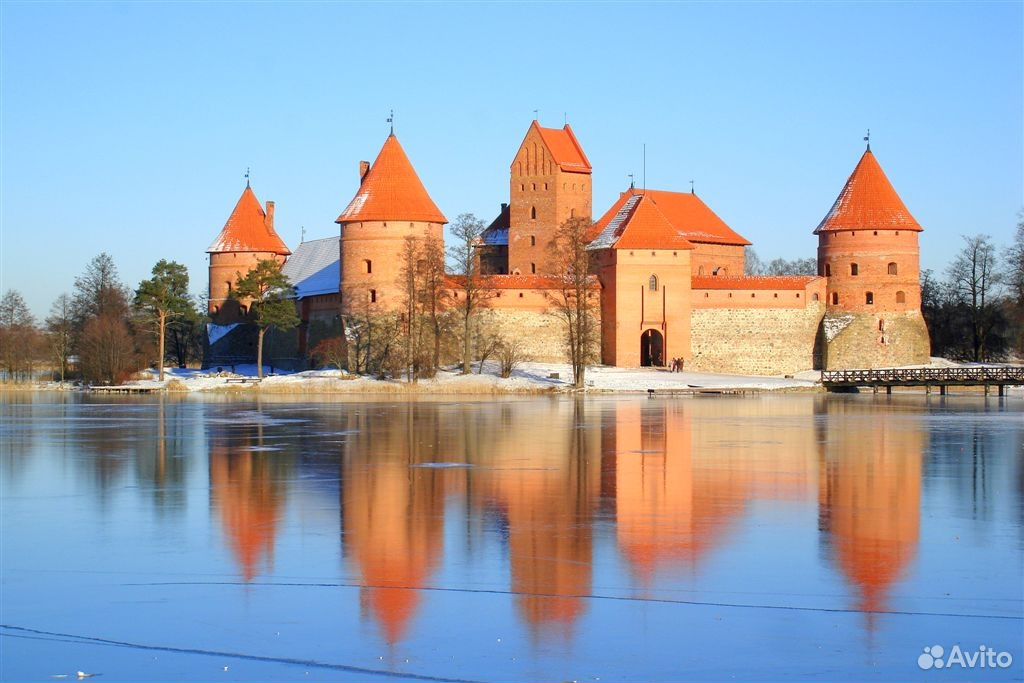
(608, 539)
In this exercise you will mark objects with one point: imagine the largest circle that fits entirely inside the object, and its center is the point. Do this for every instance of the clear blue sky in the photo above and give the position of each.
(127, 128)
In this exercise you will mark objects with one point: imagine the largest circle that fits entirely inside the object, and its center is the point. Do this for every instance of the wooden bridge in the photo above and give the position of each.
(986, 376)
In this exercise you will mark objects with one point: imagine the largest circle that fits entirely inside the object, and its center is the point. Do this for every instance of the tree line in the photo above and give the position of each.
(975, 307)
(103, 331)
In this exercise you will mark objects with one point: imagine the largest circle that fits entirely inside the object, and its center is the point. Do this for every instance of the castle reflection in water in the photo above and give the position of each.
(670, 481)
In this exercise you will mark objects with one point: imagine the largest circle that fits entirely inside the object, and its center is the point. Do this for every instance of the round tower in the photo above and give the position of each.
(390, 205)
(868, 250)
(247, 237)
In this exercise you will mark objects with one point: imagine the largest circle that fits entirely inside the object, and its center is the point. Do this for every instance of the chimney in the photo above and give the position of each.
(269, 220)
(364, 168)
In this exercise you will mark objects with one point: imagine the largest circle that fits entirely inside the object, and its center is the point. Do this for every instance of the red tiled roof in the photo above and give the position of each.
(565, 149)
(766, 282)
(392, 191)
(686, 212)
(648, 228)
(868, 201)
(247, 229)
(513, 281)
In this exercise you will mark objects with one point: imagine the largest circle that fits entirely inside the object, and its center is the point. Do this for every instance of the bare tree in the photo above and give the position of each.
(271, 301)
(510, 354)
(59, 333)
(18, 336)
(467, 231)
(107, 350)
(409, 258)
(974, 276)
(433, 294)
(573, 297)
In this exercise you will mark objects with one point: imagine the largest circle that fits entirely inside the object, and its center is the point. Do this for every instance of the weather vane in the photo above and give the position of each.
(691, 188)
(247, 176)
(391, 120)
(536, 114)
(631, 183)
(867, 139)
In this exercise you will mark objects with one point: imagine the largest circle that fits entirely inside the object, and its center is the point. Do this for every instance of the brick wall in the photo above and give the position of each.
(755, 341)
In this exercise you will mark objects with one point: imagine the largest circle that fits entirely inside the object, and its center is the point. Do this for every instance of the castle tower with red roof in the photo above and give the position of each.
(868, 250)
(390, 205)
(550, 184)
(247, 237)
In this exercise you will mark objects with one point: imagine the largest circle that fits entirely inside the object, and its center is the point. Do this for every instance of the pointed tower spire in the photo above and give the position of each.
(868, 202)
(249, 229)
(391, 190)
(867, 139)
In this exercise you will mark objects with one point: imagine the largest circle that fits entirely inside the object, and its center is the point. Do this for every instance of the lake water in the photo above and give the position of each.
(606, 539)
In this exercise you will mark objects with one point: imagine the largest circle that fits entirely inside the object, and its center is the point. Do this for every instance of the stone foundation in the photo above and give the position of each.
(541, 334)
(756, 341)
(872, 340)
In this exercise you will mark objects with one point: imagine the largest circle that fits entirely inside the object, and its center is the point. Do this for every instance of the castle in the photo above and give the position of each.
(670, 272)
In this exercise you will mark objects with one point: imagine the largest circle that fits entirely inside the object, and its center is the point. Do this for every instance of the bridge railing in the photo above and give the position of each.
(973, 374)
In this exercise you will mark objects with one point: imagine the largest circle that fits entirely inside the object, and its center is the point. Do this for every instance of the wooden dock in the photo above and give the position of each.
(123, 389)
(987, 376)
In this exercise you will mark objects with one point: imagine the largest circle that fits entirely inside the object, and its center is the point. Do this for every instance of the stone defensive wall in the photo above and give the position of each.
(521, 307)
(875, 340)
(757, 326)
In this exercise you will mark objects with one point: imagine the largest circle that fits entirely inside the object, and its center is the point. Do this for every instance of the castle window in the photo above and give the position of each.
(373, 296)
(652, 284)
(881, 325)
(835, 298)
(869, 298)
(545, 186)
(828, 270)
(367, 266)
(574, 187)
(565, 186)
(522, 186)
(583, 186)
(892, 269)
(533, 186)
(814, 297)
(229, 287)
(700, 271)
(572, 213)
(533, 240)
(533, 212)
(876, 233)
(520, 295)
(752, 295)
(705, 295)
(730, 295)
(533, 268)
(901, 297)
(216, 310)
(777, 295)
(854, 269)
(798, 295)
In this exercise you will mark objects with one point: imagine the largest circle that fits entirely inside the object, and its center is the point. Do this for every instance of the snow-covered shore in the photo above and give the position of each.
(530, 378)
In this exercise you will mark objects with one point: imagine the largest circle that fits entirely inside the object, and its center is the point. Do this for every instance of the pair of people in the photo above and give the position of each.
(677, 365)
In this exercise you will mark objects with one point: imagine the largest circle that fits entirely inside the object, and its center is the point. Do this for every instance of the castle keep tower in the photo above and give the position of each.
(247, 237)
(390, 205)
(550, 184)
(869, 253)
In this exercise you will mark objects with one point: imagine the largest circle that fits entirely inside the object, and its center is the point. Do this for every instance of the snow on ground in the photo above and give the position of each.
(529, 377)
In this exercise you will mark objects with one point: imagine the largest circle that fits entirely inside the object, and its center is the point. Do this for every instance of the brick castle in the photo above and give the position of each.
(670, 271)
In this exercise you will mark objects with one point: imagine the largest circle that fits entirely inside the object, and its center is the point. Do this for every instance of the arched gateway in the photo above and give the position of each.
(652, 348)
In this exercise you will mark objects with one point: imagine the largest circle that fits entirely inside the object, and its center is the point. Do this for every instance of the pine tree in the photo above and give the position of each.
(271, 301)
(162, 297)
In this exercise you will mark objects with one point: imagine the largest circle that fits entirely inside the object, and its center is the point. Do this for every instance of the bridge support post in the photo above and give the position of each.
(942, 390)
(888, 390)
(986, 390)
(927, 389)
(874, 388)
(1002, 390)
